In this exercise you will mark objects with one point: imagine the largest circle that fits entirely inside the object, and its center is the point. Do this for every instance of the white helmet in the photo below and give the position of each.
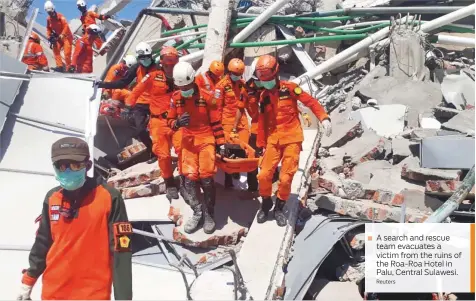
(184, 74)
(143, 49)
(49, 6)
(81, 3)
(94, 28)
(130, 60)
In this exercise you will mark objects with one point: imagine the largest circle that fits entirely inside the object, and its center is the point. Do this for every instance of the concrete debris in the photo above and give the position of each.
(402, 148)
(407, 56)
(420, 174)
(345, 188)
(349, 273)
(463, 122)
(444, 188)
(356, 240)
(386, 120)
(429, 123)
(342, 132)
(445, 113)
(138, 174)
(363, 172)
(458, 91)
(419, 200)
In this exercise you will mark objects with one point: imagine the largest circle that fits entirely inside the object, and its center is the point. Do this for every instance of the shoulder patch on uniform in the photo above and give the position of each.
(123, 228)
(297, 90)
(124, 242)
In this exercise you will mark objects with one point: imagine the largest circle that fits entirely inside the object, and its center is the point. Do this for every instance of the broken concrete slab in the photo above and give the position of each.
(345, 188)
(458, 90)
(390, 179)
(445, 113)
(417, 199)
(138, 174)
(356, 240)
(155, 187)
(234, 213)
(445, 188)
(463, 122)
(343, 131)
(429, 122)
(368, 147)
(447, 152)
(407, 56)
(148, 209)
(402, 148)
(363, 172)
(351, 273)
(421, 174)
(367, 209)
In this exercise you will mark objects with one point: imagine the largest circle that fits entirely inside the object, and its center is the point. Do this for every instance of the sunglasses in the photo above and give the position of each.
(74, 166)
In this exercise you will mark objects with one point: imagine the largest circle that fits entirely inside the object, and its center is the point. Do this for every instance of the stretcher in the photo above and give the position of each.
(239, 157)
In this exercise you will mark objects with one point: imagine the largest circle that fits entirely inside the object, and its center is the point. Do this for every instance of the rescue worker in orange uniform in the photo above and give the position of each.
(88, 18)
(82, 246)
(117, 72)
(59, 35)
(34, 56)
(211, 77)
(227, 94)
(159, 85)
(195, 111)
(140, 112)
(83, 51)
(281, 134)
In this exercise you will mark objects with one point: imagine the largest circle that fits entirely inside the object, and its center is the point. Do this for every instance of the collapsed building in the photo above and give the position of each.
(397, 81)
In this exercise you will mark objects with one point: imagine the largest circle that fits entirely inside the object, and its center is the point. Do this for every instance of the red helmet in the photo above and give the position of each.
(35, 37)
(267, 67)
(169, 55)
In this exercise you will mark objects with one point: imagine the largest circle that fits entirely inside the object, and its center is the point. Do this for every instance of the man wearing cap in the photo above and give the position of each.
(82, 246)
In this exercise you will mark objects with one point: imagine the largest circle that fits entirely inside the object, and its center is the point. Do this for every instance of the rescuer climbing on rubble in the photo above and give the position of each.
(158, 85)
(82, 246)
(196, 112)
(34, 56)
(228, 92)
(117, 72)
(59, 35)
(140, 112)
(83, 51)
(88, 18)
(280, 134)
(211, 77)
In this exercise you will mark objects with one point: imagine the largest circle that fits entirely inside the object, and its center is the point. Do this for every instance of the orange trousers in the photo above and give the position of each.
(120, 94)
(198, 161)
(98, 43)
(163, 138)
(275, 153)
(243, 133)
(66, 45)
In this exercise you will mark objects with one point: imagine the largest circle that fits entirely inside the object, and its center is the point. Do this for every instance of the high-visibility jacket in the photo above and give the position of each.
(83, 55)
(204, 81)
(82, 246)
(227, 95)
(250, 102)
(279, 114)
(116, 72)
(89, 18)
(205, 126)
(159, 89)
(59, 25)
(34, 56)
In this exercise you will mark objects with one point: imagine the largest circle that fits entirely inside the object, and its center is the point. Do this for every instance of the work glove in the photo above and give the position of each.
(234, 134)
(306, 119)
(326, 124)
(126, 113)
(25, 292)
(72, 69)
(220, 149)
(183, 120)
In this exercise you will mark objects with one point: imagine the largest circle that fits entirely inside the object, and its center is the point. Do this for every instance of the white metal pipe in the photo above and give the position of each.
(247, 31)
(457, 41)
(362, 24)
(447, 19)
(195, 33)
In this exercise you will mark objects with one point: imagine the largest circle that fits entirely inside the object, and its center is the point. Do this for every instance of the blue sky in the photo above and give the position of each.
(70, 11)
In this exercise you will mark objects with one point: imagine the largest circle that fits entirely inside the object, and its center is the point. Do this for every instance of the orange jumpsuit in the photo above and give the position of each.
(82, 246)
(34, 56)
(60, 26)
(200, 137)
(204, 81)
(280, 132)
(160, 90)
(117, 72)
(89, 18)
(83, 55)
(228, 95)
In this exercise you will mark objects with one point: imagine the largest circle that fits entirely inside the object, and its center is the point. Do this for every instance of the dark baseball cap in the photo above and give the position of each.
(69, 148)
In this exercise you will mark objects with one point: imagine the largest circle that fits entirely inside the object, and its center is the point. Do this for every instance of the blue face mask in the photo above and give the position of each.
(71, 180)
(269, 84)
(258, 84)
(146, 62)
(234, 77)
(187, 93)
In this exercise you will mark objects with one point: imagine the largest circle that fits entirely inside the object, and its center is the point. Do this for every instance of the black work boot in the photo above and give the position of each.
(194, 223)
(279, 214)
(171, 189)
(209, 196)
(266, 205)
(183, 191)
(228, 181)
(59, 69)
